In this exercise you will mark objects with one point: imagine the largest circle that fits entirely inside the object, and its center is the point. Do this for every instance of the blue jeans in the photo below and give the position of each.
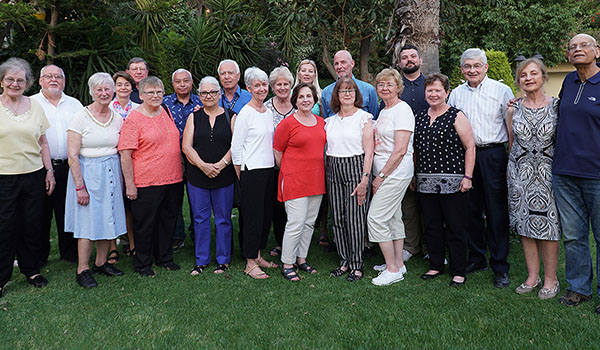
(578, 203)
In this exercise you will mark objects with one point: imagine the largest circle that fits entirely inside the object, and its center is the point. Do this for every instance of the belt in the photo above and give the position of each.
(489, 145)
(60, 162)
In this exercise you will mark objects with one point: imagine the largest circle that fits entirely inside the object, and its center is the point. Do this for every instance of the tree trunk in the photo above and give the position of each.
(326, 60)
(365, 47)
(51, 34)
(418, 23)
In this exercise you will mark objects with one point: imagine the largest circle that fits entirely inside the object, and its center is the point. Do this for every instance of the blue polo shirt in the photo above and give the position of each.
(577, 151)
(180, 111)
(240, 98)
(367, 91)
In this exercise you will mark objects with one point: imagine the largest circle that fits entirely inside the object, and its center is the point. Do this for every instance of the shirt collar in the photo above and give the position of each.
(62, 97)
(594, 79)
(419, 81)
(478, 87)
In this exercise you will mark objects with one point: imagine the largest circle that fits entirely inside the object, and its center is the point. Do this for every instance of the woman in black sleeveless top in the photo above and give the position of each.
(206, 143)
(444, 160)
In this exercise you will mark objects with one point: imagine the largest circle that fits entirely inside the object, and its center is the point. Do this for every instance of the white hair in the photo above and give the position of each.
(281, 72)
(52, 65)
(237, 68)
(181, 70)
(209, 80)
(255, 73)
(473, 54)
(100, 78)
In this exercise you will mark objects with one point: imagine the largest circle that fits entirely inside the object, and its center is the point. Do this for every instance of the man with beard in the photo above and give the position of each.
(59, 109)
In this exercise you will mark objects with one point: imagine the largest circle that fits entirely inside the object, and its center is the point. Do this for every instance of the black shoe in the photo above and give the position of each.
(501, 280)
(171, 266)
(38, 281)
(453, 283)
(146, 272)
(177, 244)
(426, 276)
(85, 279)
(472, 267)
(107, 269)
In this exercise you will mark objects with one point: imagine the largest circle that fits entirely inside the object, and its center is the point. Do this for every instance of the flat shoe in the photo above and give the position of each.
(454, 283)
(338, 272)
(107, 269)
(38, 281)
(146, 272)
(221, 268)
(85, 279)
(525, 288)
(546, 293)
(198, 269)
(256, 273)
(427, 276)
(171, 266)
(266, 264)
(353, 276)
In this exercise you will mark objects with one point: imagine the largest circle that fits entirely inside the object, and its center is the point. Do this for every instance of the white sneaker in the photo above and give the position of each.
(385, 278)
(383, 267)
(406, 255)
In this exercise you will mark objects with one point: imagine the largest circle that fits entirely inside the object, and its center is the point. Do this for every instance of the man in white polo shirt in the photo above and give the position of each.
(59, 109)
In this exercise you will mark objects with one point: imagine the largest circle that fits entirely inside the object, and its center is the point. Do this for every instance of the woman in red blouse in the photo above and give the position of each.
(298, 145)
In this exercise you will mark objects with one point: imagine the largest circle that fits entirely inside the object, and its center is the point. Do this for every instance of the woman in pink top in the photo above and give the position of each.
(151, 163)
(298, 145)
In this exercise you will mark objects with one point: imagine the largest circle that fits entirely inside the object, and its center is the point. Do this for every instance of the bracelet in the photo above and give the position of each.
(80, 188)
(51, 170)
(468, 177)
(226, 162)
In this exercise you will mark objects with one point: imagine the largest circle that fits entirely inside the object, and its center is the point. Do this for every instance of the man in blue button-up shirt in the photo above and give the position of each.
(343, 64)
(233, 97)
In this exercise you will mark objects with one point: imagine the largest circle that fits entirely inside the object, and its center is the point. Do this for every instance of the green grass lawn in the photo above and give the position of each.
(177, 311)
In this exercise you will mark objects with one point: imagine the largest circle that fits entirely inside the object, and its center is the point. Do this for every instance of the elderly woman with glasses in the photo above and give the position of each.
(94, 204)
(206, 144)
(151, 162)
(26, 174)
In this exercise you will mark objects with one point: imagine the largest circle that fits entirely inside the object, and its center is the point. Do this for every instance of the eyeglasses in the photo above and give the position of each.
(468, 66)
(138, 69)
(386, 85)
(55, 76)
(10, 81)
(212, 93)
(154, 93)
(347, 91)
(584, 45)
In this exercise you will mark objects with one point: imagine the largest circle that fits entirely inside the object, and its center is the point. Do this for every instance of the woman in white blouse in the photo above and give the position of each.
(349, 159)
(252, 157)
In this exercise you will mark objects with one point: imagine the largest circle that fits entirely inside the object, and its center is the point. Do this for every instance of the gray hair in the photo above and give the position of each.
(237, 68)
(100, 78)
(18, 64)
(52, 65)
(137, 60)
(209, 80)
(181, 70)
(473, 54)
(151, 81)
(281, 72)
(254, 73)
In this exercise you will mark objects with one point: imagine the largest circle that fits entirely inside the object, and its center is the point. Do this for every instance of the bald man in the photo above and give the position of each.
(343, 65)
(576, 167)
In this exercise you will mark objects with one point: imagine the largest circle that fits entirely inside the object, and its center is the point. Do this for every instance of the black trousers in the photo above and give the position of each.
(54, 205)
(446, 225)
(257, 209)
(279, 213)
(154, 217)
(489, 195)
(21, 210)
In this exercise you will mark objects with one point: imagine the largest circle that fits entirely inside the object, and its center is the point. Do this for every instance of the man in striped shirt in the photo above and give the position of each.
(484, 101)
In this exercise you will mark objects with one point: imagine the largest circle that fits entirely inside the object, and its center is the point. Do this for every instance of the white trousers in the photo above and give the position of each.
(301, 214)
(385, 213)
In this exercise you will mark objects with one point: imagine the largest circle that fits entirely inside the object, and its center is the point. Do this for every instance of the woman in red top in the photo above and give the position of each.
(298, 145)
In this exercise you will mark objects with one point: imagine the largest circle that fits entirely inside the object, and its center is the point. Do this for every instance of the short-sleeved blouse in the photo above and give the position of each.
(344, 134)
(302, 171)
(97, 139)
(398, 117)
(211, 144)
(156, 151)
(440, 155)
(19, 137)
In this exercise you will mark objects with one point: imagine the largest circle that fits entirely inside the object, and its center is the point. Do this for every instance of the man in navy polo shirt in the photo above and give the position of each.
(576, 167)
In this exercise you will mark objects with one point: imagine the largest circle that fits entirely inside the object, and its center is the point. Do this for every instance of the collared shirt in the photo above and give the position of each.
(577, 151)
(414, 94)
(485, 108)
(179, 111)
(239, 100)
(59, 118)
(367, 91)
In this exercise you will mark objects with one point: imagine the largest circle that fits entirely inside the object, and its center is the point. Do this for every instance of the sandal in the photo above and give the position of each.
(306, 268)
(198, 269)
(254, 273)
(353, 276)
(132, 252)
(290, 274)
(221, 268)
(323, 240)
(114, 256)
(126, 250)
(266, 264)
(338, 272)
(275, 251)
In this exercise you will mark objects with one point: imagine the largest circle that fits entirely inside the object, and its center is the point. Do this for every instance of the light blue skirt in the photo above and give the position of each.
(104, 216)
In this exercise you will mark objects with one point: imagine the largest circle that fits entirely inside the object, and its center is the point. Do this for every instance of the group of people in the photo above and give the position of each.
(405, 163)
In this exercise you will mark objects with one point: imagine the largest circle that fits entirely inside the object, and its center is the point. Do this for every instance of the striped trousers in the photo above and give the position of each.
(349, 218)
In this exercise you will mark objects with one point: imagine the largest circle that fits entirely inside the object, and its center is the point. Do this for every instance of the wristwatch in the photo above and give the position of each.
(382, 175)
